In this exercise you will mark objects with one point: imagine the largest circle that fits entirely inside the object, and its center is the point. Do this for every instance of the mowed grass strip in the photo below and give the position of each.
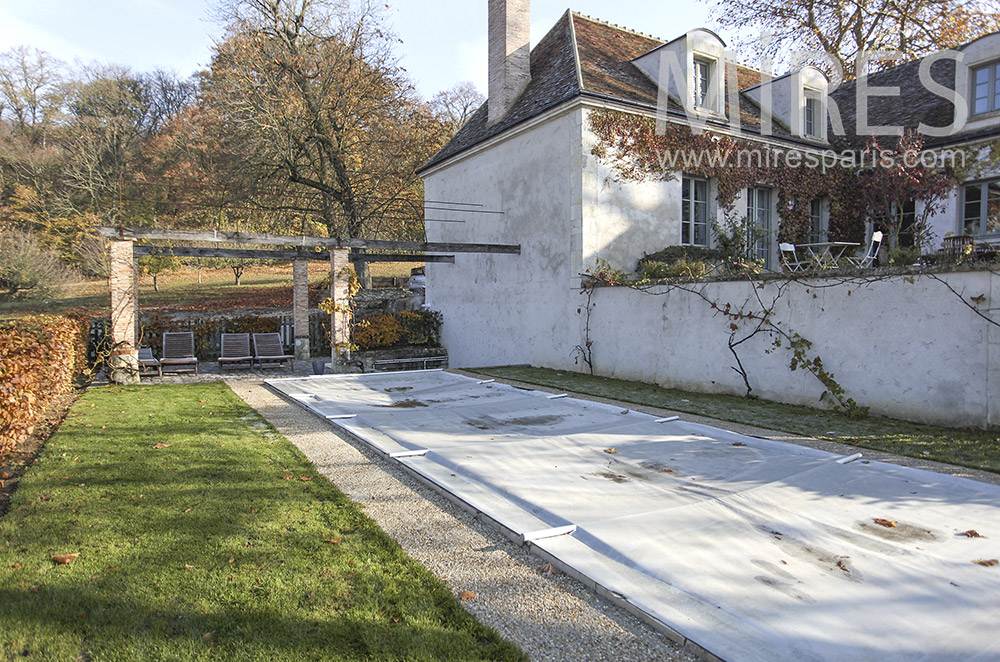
(968, 447)
(203, 534)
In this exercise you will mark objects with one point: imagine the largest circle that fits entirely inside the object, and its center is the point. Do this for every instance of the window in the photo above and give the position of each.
(817, 221)
(986, 88)
(812, 115)
(694, 216)
(702, 83)
(759, 224)
(981, 211)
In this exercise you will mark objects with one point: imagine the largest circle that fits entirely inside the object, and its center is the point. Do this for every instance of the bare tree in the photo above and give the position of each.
(454, 107)
(846, 30)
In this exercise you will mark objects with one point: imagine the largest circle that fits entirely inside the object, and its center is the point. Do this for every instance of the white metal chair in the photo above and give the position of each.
(869, 257)
(789, 259)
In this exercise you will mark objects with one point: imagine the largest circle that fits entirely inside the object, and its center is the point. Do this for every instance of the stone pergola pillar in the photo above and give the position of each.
(300, 308)
(123, 363)
(340, 292)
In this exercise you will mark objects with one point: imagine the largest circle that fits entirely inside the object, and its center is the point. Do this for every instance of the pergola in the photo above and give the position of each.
(124, 362)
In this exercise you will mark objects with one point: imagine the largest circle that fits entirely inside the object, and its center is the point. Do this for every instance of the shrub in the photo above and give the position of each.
(27, 269)
(378, 331)
(681, 268)
(39, 357)
(421, 327)
(672, 254)
(409, 327)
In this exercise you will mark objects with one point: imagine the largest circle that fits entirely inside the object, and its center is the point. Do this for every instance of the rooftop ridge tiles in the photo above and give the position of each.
(609, 24)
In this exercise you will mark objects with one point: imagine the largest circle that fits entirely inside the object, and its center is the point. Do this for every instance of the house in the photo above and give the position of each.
(529, 153)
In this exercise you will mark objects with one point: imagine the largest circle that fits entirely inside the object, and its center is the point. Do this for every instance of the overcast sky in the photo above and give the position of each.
(444, 41)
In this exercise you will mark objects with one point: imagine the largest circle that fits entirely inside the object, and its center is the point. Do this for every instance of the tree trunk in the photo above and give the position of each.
(156, 284)
(238, 273)
(364, 275)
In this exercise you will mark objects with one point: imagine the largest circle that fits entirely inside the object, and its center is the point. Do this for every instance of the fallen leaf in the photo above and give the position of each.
(206, 636)
(624, 411)
(989, 564)
(4, 475)
(231, 560)
(611, 451)
(889, 524)
(333, 540)
(972, 533)
(187, 510)
(466, 595)
(161, 445)
(738, 443)
(306, 478)
(64, 559)
(288, 477)
(668, 471)
(16, 565)
(547, 570)
(188, 567)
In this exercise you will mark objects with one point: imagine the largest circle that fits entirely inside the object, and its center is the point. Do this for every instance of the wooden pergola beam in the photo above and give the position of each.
(284, 255)
(214, 236)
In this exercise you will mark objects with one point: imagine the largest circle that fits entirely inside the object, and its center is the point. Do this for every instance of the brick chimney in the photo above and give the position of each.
(510, 61)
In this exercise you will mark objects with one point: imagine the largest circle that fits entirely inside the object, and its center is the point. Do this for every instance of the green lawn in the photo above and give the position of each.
(260, 287)
(211, 547)
(974, 448)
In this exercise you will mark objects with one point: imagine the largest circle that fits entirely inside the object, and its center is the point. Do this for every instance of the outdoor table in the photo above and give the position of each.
(827, 254)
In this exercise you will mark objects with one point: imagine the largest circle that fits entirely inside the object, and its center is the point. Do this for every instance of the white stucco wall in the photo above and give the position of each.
(909, 350)
(511, 308)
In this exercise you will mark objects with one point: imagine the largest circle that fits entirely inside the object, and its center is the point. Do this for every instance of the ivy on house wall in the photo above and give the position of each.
(862, 186)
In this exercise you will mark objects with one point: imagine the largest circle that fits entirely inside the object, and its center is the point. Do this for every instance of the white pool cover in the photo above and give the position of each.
(751, 548)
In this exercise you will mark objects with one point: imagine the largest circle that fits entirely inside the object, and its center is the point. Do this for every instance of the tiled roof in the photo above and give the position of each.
(915, 103)
(604, 54)
(553, 81)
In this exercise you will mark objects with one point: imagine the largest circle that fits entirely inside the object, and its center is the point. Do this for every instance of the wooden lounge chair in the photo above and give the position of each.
(147, 362)
(235, 350)
(268, 351)
(178, 350)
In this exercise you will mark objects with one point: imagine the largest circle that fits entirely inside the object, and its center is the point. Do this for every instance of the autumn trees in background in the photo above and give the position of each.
(303, 123)
(848, 30)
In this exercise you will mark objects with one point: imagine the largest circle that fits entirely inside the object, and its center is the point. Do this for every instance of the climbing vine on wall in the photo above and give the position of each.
(861, 186)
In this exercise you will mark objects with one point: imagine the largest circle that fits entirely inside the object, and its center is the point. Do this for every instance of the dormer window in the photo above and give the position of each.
(986, 88)
(702, 83)
(811, 114)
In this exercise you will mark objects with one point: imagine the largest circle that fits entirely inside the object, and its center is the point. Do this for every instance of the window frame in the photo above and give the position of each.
(699, 100)
(760, 249)
(689, 208)
(812, 113)
(983, 214)
(992, 70)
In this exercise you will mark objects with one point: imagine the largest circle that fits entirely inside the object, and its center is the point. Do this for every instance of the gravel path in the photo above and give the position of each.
(550, 618)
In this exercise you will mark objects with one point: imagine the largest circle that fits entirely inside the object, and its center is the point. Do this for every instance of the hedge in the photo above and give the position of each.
(39, 357)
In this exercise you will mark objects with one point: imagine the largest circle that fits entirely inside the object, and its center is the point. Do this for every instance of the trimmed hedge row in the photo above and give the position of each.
(39, 357)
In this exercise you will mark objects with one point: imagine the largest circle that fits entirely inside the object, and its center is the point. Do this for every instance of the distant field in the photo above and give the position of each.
(261, 287)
